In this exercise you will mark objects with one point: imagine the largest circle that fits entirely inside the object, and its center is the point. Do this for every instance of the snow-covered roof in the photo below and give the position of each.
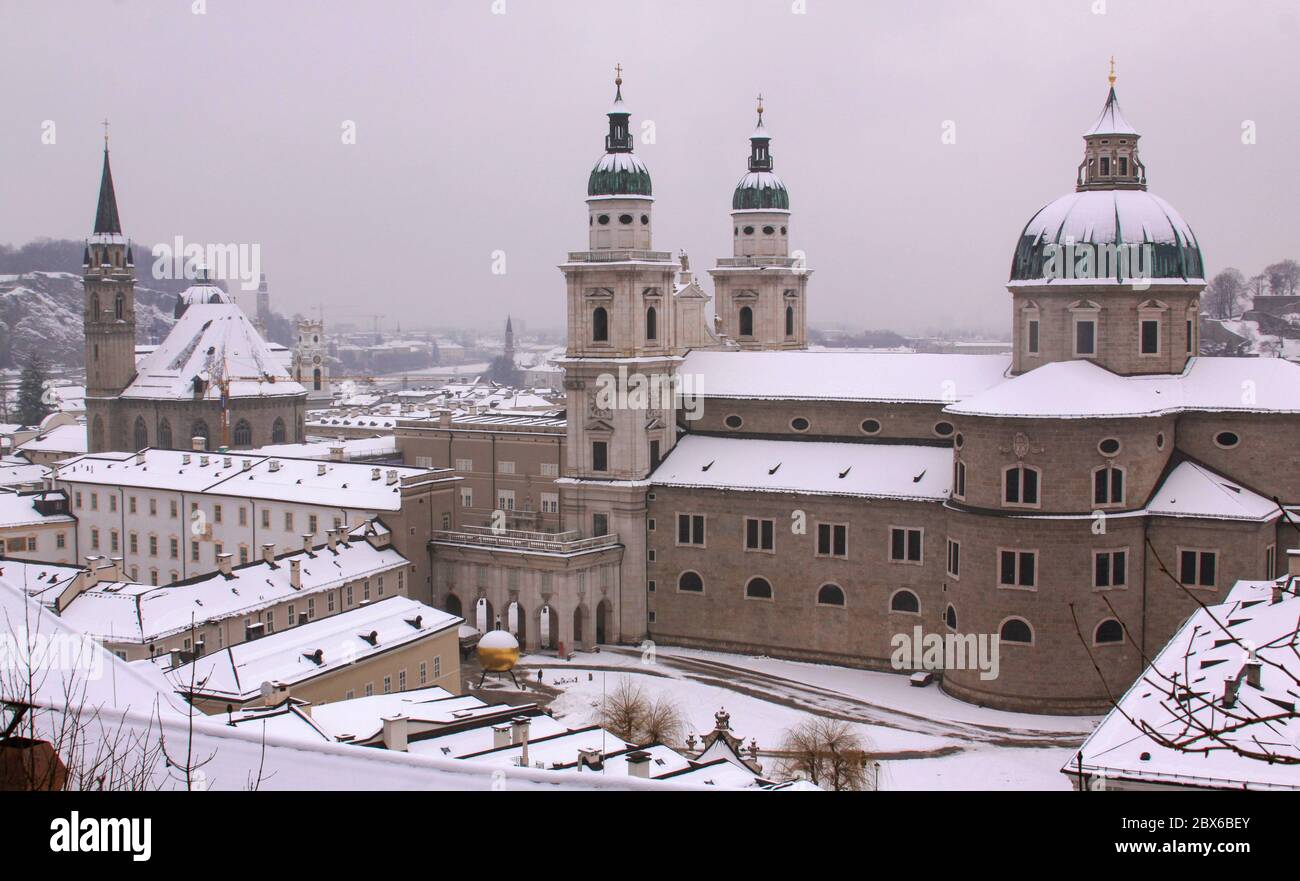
(843, 376)
(1173, 726)
(1192, 490)
(39, 580)
(213, 343)
(350, 485)
(894, 471)
(1111, 121)
(204, 292)
(238, 671)
(130, 612)
(20, 510)
(1241, 385)
(63, 439)
(15, 470)
(353, 448)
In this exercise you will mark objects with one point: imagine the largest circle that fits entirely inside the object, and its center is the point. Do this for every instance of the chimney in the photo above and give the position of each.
(274, 465)
(226, 462)
(337, 453)
(223, 563)
(174, 658)
(254, 630)
(374, 473)
(320, 469)
(1231, 686)
(638, 764)
(268, 553)
(185, 458)
(392, 476)
(246, 464)
(198, 443)
(295, 573)
(501, 735)
(396, 732)
(332, 537)
(1252, 669)
(113, 571)
(444, 419)
(306, 543)
(589, 757)
(1293, 561)
(519, 736)
(203, 461)
(91, 574)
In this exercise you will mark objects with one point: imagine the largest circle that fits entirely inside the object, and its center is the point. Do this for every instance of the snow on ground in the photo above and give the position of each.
(950, 744)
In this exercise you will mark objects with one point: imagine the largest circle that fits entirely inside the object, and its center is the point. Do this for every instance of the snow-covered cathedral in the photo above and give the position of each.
(1067, 502)
(213, 382)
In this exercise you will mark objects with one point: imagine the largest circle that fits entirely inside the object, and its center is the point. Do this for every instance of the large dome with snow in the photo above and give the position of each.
(1114, 217)
(760, 190)
(619, 174)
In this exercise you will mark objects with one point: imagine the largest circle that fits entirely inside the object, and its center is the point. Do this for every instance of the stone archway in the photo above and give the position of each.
(579, 631)
(604, 620)
(453, 605)
(548, 632)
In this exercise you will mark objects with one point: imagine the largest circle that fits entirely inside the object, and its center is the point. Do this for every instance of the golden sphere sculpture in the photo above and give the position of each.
(498, 651)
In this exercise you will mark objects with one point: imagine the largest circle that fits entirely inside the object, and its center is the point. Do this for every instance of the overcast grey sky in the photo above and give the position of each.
(476, 132)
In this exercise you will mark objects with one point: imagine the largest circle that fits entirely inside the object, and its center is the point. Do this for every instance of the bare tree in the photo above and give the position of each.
(663, 722)
(636, 717)
(1223, 293)
(1283, 277)
(828, 752)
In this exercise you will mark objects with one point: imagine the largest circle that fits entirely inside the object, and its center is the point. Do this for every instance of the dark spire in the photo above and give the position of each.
(509, 329)
(619, 139)
(106, 219)
(760, 157)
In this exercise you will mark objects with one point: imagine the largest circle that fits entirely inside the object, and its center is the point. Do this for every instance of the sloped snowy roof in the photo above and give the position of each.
(895, 471)
(1079, 389)
(1110, 216)
(238, 671)
(39, 580)
(204, 292)
(1111, 121)
(63, 439)
(212, 342)
(843, 376)
(1169, 740)
(128, 612)
(14, 471)
(20, 510)
(1192, 490)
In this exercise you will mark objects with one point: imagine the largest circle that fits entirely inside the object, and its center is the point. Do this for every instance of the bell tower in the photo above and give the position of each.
(621, 363)
(761, 289)
(108, 279)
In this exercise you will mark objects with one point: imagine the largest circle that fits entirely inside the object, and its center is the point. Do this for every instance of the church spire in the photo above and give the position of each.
(106, 219)
(760, 157)
(1110, 160)
(619, 140)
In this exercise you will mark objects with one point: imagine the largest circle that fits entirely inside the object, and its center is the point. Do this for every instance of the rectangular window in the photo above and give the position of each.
(464, 464)
(1189, 336)
(1110, 569)
(1270, 562)
(153, 507)
(654, 454)
(266, 518)
(288, 521)
(599, 456)
(954, 558)
(437, 667)
(174, 547)
(690, 529)
(832, 540)
(112, 503)
(216, 513)
(94, 501)
(550, 503)
(466, 497)
(505, 467)
(423, 461)
(1017, 568)
(130, 504)
(1032, 345)
(388, 685)
(243, 516)
(1085, 336)
(424, 672)
(401, 680)
(313, 524)
(904, 544)
(1150, 336)
(599, 524)
(153, 545)
(1197, 568)
(134, 543)
(311, 609)
(760, 535)
(94, 538)
(959, 480)
(194, 551)
(370, 689)
(1108, 486)
(60, 541)
(1020, 485)
(505, 500)
(550, 469)
(174, 509)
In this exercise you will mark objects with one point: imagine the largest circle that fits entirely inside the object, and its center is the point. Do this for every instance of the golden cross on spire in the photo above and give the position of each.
(105, 124)
(760, 108)
(1112, 71)
(618, 74)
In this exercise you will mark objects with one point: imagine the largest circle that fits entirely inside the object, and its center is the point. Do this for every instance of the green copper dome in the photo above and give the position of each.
(760, 190)
(619, 174)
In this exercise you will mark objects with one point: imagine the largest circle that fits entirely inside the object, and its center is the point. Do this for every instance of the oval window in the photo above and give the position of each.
(943, 429)
(1160, 441)
(798, 423)
(625, 218)
(645, 219)
(734, 421)
(871, 426)
(959, 441)
(1109, 446)
(749, 230)
(737, 230)
(603, 219)
(1227, 439)
(768, 230)
(783, 230)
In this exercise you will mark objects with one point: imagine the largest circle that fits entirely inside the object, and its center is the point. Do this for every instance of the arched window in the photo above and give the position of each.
(165, 435)
(758, 589)
(746, 321)
(691, 582)
(600, 325)
(94, 307)
(950, 617)
(789, 321)
(1020, 485)
(651, 324)
(141, 433)
(904, 601)
(277, 431)
(1108, 485)
(200, 429)
(97, 435)
(830, 595)
(1017, 630)
(1109, 630)
(243, 436)
(315, 379)
(119, 307)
